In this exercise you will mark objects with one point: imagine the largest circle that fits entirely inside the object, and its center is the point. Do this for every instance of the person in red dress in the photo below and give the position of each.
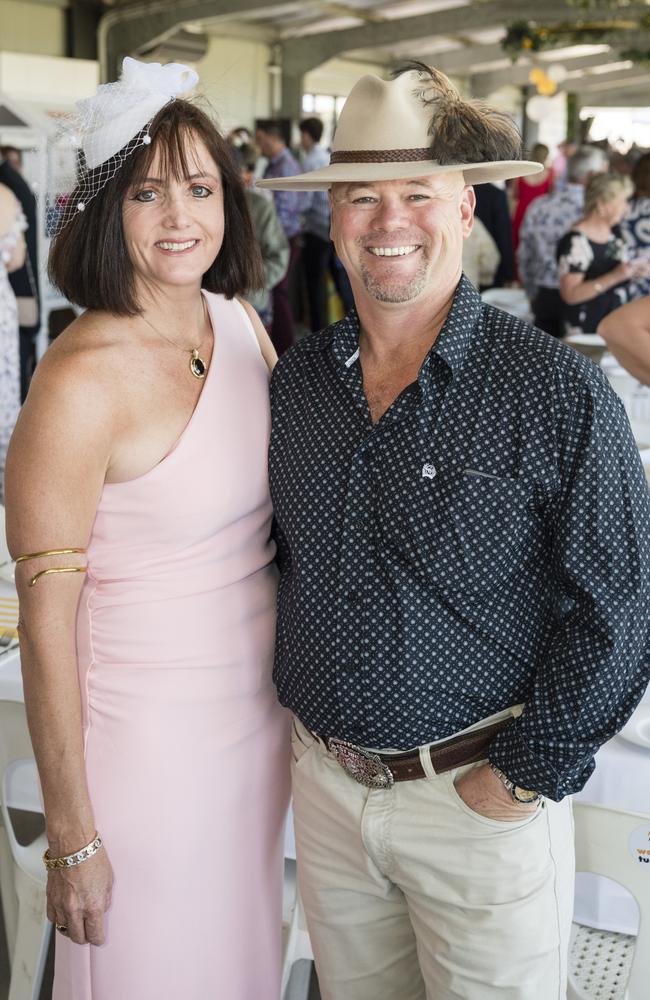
(526, 189)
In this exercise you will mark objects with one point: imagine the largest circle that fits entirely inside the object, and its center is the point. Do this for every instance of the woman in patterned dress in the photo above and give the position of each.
(595, 272)
(12, 256)
(636, 225)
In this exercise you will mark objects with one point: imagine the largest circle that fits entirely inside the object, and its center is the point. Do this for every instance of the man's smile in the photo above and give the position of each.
(402, 251)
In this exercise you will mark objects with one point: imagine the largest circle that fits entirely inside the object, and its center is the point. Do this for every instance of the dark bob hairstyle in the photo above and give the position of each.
(89, 262)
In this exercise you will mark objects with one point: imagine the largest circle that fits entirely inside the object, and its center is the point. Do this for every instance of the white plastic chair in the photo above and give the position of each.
(604, 964)
(296, 941)
(21, 898)
(19, 790)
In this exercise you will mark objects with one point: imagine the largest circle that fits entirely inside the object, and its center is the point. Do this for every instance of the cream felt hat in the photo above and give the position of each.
(413, 126)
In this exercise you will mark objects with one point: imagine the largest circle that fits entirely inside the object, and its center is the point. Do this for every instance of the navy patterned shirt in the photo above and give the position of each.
(485, 544)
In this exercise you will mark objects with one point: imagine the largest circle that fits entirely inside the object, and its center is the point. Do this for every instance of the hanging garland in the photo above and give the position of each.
(524, 37)
(639, 56)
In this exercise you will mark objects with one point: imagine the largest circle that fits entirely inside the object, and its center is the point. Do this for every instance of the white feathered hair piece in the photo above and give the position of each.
(91, 145)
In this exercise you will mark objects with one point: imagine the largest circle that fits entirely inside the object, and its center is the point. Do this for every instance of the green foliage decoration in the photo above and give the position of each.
(524, 37)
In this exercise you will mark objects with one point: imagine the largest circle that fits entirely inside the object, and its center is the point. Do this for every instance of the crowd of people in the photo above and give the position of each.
(365, 566)
(576, 236)
(584, 247)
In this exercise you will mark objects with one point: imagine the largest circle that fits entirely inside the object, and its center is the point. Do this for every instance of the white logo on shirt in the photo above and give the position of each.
(428, 470)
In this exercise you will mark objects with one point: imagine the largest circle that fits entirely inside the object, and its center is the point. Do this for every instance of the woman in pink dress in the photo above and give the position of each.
(137, 503)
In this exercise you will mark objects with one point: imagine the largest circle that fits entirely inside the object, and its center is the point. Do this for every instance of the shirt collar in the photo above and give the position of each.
(459, 328)
(451, 344)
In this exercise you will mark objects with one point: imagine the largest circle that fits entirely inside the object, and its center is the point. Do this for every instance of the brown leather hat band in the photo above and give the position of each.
(380, 155)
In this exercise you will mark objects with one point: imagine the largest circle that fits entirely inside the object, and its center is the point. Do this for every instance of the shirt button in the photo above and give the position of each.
(354, 598)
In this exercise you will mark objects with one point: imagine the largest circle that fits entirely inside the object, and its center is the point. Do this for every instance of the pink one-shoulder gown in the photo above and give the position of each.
(186, 746)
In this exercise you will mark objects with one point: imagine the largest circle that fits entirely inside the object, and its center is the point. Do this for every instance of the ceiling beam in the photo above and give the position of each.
(125, 30)
(455, 61)
(482, 84)
(634, 77)
(627, 98)
(305, 52)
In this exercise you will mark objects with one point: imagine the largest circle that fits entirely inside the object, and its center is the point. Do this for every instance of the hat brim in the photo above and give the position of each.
(351, 173)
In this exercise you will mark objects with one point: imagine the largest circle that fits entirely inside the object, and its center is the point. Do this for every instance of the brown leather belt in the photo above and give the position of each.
(382, 770)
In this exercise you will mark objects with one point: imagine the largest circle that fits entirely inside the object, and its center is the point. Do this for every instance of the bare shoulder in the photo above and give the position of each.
(630, 319)
(266, 347)
(63, 440)
(84, 358)
(73, 396)
(7, 197)
(8, 208)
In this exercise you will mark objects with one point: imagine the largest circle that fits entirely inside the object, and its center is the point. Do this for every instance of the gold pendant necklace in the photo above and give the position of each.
(197, 365)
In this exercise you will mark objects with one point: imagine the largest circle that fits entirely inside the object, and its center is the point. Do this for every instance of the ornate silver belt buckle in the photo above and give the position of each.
(363, 766)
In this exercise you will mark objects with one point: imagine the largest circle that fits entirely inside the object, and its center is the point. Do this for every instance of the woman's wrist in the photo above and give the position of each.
(73, 858)
(65, 837)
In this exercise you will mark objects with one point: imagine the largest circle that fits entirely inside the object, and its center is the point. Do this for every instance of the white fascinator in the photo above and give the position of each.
(93, 143)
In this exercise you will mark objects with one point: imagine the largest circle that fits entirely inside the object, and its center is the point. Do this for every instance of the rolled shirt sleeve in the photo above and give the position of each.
(597, 663)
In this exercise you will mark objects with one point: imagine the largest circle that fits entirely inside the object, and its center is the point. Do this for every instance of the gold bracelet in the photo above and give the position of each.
(54, 569)
(57, 569)
(68, 860)
(48, 552)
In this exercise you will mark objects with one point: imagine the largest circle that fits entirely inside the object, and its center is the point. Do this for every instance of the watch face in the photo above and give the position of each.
(524, 795)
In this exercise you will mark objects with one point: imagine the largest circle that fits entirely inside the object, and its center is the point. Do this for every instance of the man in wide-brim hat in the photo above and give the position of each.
(461, 614)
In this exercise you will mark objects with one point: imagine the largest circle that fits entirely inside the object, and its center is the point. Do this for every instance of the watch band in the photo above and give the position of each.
(519, 794)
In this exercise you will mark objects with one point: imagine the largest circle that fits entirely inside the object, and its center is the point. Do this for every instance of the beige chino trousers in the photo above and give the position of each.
(409, 894)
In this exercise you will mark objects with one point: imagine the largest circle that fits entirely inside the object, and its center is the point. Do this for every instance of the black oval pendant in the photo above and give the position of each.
(197, 366)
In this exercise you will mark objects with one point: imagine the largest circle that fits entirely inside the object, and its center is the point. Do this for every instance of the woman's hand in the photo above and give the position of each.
(78, 898)
(623, 272)
(640, 267)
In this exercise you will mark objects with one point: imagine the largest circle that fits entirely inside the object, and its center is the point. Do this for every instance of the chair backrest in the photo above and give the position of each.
(616, 844)
(15, 743)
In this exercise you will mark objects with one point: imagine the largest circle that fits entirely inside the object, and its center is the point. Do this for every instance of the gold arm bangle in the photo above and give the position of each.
(48, 552)
(57, 569)
(53, 569)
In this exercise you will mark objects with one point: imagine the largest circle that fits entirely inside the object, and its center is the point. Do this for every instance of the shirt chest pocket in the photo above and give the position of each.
(457, 532)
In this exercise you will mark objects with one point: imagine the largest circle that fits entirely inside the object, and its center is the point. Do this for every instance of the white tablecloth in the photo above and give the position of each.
(11, 682)
(11, 685)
